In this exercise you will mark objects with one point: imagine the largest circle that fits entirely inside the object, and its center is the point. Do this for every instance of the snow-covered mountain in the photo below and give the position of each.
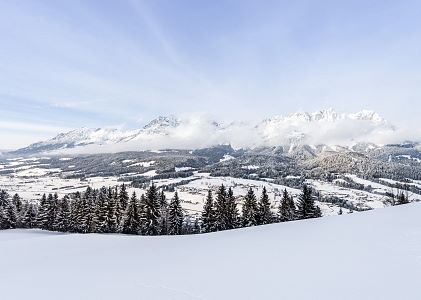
(325, 127)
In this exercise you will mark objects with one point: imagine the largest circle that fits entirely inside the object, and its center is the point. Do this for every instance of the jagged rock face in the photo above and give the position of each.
(301, 135)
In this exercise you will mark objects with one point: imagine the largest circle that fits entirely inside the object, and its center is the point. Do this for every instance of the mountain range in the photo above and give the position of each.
(325, 127)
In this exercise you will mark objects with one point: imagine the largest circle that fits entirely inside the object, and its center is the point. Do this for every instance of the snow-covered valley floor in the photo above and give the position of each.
(369, 255)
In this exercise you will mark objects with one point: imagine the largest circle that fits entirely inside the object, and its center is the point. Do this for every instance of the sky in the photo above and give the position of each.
(104, 63)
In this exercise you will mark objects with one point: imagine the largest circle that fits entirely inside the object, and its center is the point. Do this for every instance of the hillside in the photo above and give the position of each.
(370, 255)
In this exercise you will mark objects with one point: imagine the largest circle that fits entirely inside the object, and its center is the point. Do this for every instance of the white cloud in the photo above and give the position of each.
(198, 131)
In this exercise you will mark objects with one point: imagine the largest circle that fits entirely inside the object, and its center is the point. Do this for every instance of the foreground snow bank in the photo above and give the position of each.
(370, 255)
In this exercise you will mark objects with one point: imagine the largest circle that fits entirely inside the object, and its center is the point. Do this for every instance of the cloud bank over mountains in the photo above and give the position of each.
(193, 131)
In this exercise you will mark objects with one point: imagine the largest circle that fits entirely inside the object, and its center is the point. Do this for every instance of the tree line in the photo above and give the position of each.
(113, 210)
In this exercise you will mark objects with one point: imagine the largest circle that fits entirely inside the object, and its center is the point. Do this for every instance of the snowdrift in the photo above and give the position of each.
(370, 255)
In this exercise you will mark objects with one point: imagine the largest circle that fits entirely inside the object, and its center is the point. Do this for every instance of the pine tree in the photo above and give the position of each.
(52, 211)
(8, 214)
(101, 212)
(163, 207)
(250, 209)
(402, 199)
(221, 209)
(292, 208)
(2, 218)
(265, 215)
(17, 202)
(75, 207)
(151, 212)
(42, 217)
(89, 210)
(208, 214)
(112, 224)
(121, 204)
(232, 216)
(29, 219)
(286, 211)
(131, 219)
(123, 197)
(62, 221)
(175, 216)
(3, 196)
(306, 207)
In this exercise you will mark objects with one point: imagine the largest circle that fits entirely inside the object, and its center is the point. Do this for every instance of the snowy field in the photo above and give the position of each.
(31, 177)
(369, 255)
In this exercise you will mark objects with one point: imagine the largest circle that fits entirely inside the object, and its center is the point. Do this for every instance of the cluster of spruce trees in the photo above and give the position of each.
(111, 210)
(16, 213)
(221, 213)
(107, 210)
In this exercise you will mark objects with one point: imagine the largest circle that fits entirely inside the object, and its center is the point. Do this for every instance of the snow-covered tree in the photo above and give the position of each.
(265, 215)
(175, 216)
(250, 209)
(29, 219)
(208, 214)
(286, 210)
(221, 209)
(163, 212)
(17, 202)
(112, 220)
(62, 221)
(306, 207)
(131, 219)
(402, 198)
(101, 212)
(232, 216)
(151, 212)
(123, 197)
(42, 219)
(8, 215)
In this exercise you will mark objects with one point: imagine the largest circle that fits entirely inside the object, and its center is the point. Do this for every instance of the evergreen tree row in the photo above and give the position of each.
(112, 210)
(221, 213)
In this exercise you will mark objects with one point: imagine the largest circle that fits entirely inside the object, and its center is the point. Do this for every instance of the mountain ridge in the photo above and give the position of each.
(324, 127)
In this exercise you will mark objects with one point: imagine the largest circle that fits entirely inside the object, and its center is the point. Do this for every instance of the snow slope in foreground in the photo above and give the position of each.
(370, 255)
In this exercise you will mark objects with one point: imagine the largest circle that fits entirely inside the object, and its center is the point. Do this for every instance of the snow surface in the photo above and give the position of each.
(369, 255)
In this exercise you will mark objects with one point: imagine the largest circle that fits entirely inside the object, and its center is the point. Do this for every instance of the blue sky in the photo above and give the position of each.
(69, 63)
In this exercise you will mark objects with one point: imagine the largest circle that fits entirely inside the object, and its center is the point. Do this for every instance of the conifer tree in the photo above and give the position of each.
(131, 220)
(221, 209)
(151, 212)
(265, 215)
(62, 221)
(8, 214)
(286, 211)
(101, 212)
(232, 216)
(42, 217)
(123, 197)
(2, 218)
(89, 210)
(75, 207)
(112, 224)
(52, 210)
(306, 207)
(250, 209)
(29, 219)
(402, 199)
(17, 202)
(208, 214)
(175, 216)
(292, 208)
(163, 207)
